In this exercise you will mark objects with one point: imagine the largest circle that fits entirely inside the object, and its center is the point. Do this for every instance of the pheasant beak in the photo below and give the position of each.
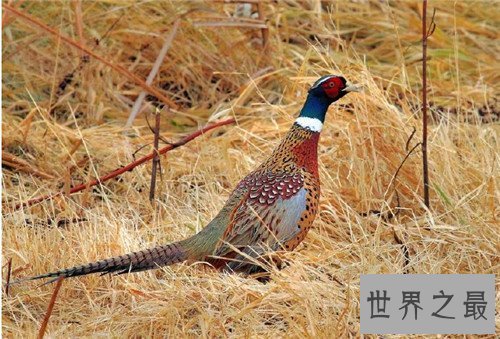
(352, 87)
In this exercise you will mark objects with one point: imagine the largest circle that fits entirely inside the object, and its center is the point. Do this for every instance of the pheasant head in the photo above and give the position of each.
(323, 92)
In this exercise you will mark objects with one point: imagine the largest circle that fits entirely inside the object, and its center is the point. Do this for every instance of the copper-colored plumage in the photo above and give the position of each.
(271, 209)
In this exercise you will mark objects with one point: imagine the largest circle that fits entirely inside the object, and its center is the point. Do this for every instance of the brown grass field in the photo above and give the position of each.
(56, 135)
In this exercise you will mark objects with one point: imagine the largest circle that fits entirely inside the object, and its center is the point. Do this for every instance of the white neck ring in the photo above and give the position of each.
(312, 124)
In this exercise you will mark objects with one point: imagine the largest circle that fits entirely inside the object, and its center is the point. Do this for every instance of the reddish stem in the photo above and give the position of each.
(52, 301)
(9, 273)
(135, 78)
(129, 167)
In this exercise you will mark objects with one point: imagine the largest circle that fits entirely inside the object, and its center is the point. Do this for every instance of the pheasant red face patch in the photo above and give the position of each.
(333, 86)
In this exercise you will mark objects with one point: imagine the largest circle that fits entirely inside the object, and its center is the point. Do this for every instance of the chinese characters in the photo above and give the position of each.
(475, 304)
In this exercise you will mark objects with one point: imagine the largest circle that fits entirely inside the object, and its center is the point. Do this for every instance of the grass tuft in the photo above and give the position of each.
(63, 124)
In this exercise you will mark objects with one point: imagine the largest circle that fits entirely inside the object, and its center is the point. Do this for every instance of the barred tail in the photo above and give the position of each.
(132, 262)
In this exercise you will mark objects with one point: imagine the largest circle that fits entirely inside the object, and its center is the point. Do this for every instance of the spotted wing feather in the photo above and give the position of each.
(266, 220)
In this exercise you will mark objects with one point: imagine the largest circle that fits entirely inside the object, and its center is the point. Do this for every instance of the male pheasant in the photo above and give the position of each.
(271, 209)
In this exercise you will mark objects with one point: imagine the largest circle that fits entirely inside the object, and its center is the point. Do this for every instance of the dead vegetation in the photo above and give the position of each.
(64, 114)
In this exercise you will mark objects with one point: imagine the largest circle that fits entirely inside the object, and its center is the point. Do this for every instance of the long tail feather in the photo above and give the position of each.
(132, 262)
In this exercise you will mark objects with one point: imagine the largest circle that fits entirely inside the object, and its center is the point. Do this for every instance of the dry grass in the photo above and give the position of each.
(213, 72)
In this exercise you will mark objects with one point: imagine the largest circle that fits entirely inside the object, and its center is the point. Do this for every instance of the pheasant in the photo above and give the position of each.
(271, 209)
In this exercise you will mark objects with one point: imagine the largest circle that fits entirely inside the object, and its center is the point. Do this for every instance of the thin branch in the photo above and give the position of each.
(425, 163)
(7, 280)
(129, 167)
(122, 70)
(390, 214)
(404, 248)
(265, 31)
(409, 138)
(52, 301)
(105, 35)
(432, 25)
(406, 252)
(404, 160)
(153, 131)
(156, 159)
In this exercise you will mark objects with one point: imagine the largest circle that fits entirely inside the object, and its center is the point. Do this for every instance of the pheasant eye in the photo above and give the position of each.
(331, 84)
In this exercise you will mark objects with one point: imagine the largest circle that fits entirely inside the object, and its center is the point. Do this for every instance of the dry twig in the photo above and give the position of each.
(7, 280)
(426, 33)
(265, 31)
(52, 301)
(129, 167)
(156, 159)
(118, 68)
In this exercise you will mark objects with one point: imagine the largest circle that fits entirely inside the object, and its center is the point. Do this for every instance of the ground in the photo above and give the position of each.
(64, 115)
